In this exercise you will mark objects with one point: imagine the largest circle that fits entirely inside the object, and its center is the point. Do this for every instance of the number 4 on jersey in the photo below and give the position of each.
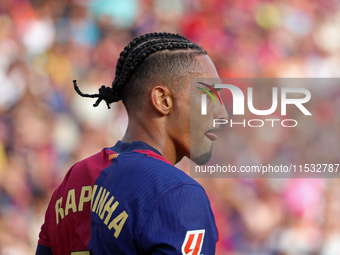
(193, 241)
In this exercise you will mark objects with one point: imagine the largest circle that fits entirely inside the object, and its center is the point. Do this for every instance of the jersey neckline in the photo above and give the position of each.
(121, 147)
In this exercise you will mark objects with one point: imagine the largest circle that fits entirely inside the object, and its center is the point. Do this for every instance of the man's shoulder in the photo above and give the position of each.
(154, 168)
(83, 173)
(136, 176)
(141, 182)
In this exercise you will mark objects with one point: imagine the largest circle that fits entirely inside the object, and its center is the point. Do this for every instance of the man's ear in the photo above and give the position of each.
(161, 98)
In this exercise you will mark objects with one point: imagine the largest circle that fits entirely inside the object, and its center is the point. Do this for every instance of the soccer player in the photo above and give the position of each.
(130, 198)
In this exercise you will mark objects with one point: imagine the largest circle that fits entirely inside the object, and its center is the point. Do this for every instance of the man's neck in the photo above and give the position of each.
(153, 137)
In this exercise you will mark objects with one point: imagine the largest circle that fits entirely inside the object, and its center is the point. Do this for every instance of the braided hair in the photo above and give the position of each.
(130, 76)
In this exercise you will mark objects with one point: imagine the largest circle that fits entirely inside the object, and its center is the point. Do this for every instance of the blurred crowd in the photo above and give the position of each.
(45, 127)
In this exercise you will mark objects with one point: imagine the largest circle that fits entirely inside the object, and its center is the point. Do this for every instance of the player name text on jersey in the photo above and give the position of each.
(102, 203)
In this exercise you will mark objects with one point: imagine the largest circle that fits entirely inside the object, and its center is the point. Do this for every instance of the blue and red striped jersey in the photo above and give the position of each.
(128, 199)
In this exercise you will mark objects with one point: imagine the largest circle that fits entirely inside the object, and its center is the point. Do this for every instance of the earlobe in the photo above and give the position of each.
(161, 99)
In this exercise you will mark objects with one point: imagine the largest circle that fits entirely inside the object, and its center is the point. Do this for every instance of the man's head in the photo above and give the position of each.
(156, 58)
(152, 78)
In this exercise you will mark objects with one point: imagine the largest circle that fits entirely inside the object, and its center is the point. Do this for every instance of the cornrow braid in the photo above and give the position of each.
(134, 52)
(134, 61)
(127, 51)
(136, 42)
(132, 56)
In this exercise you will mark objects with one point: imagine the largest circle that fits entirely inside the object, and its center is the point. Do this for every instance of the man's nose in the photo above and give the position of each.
(221, 112)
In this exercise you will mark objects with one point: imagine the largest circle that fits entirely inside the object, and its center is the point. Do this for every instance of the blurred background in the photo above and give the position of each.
(45, 127)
